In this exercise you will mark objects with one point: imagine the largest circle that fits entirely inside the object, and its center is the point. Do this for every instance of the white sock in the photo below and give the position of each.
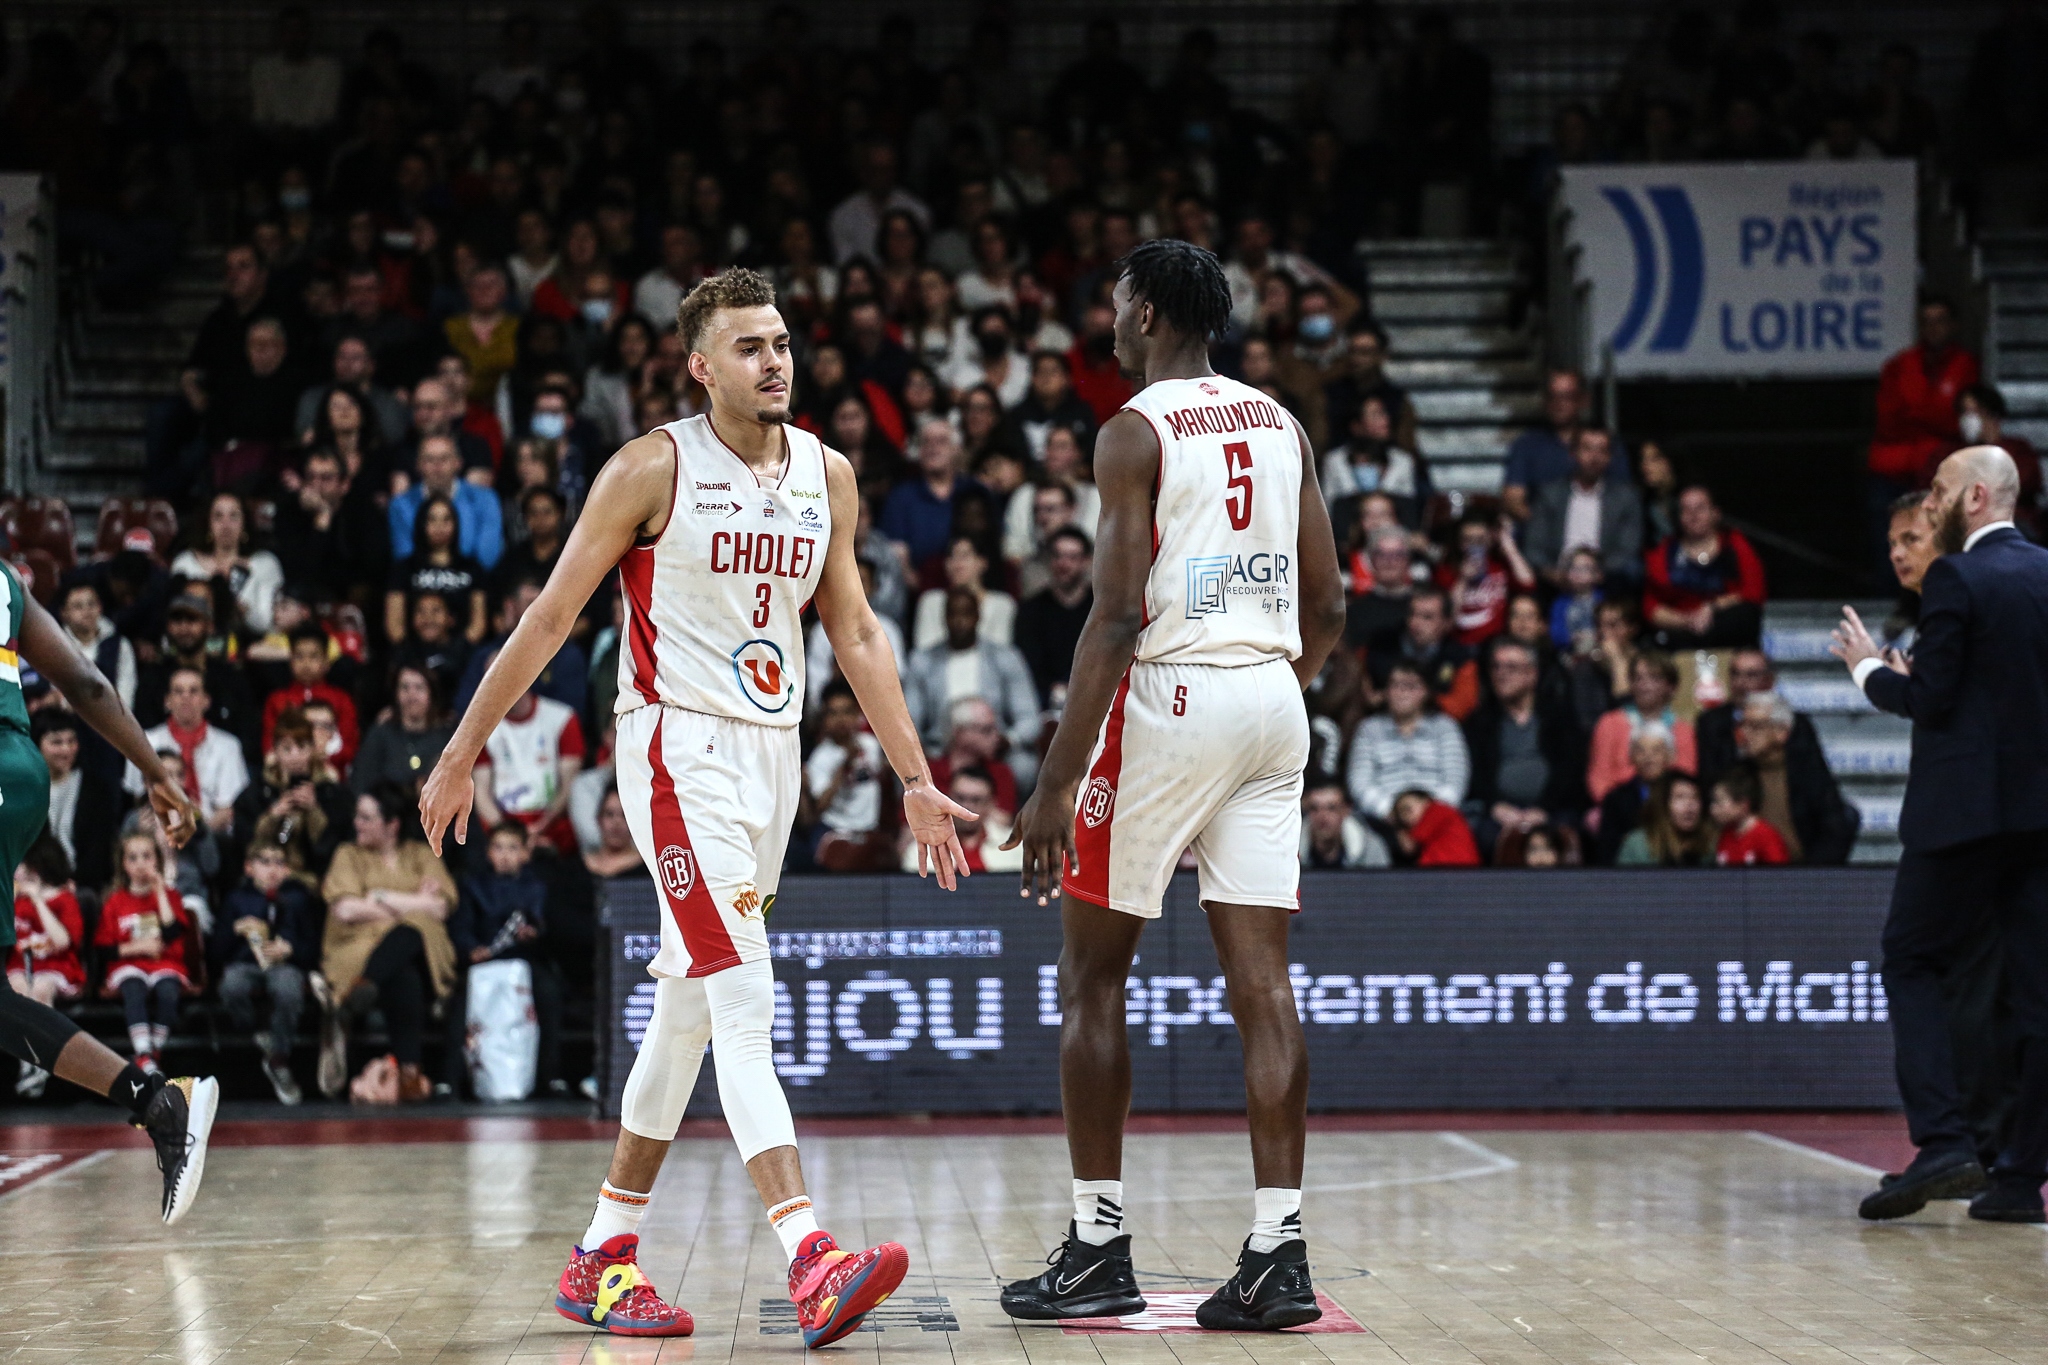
(1098, 1211)
(1276, 1217)
(159, 1034)
(139, 1039)
(617, 1211)
(794, 1220)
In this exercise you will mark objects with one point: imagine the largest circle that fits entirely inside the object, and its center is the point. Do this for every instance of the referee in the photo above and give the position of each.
(1973, 827)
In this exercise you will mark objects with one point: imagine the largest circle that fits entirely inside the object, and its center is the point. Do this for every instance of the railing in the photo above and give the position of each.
(28, 323)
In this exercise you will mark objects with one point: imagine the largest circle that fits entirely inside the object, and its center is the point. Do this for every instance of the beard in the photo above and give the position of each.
(1950, 530)
(772, 417)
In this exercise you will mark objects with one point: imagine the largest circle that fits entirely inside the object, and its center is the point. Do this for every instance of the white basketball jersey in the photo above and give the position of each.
(1224, 586)
(714, 604)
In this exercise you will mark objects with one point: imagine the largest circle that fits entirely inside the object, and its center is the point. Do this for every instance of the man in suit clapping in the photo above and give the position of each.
(1973, 827)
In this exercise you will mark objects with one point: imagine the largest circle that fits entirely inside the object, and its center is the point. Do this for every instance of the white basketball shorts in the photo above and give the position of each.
(710, 801)
(1193, 755)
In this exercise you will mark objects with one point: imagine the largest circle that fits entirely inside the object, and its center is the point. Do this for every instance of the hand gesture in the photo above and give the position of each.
(445, 799)
(929, 815)
(1852, 643)
(1045, 827)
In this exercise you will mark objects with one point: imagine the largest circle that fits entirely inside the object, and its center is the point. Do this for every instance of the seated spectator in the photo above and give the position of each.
(1098, 379)
(995, 362)
(310, 662)
(1050, 405)
(1332, 838)
(1363, 372)
(1381, 583)
(1060, 467)
(1527, 754)
(192, 867)
(439, 413)
(889, 561)
(967, 570)
(544, 527)
(1545, 846)
(248, 422)
(1589, 509)
(1675, 831)
(252, 577)
(331, 533)
(1980, 420)
(658, 293)
(502, 916)
(1798, 798)
(1746, 838)
(1489, 569)
(386, 946)
(920, 512)
(43, 963)
(83, 806)
(1445, 665)
(83, 615)
(265, 940)
(1750, 672)
(213, 772)
(432, 644)
(975, 739)
(487, 334)
(187, 642)
(376, 411)
(1049, 622)
(479, 524)
(980, 839)
(1429, 833)
(143, 925)
(566, 679)
(327, 735)
(1369, 462)
(1410, 747)
(615, 854)
(1621, 810)
(295, 805)
(844, 789)
(574, 443)
(1704, 587)
(821, 665)
(1574, 623)
(1657, 477)
(526, 767)
(1653, 678)
(965, 665)
(1543, 454)
(1600, 680)
(404, 746)
(436, 569)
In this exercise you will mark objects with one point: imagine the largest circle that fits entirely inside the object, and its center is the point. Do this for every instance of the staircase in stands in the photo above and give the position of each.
(2014, 268)
(1473, 374)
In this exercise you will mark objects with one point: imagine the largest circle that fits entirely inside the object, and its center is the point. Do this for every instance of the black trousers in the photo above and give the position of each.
(1941, 902)
(398, 966)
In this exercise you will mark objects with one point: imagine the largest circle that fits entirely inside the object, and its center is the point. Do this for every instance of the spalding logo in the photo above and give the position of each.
(678, 870)
(1098, 798)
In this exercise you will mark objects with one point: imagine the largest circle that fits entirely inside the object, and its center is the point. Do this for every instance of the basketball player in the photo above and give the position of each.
(722, 528)
(177, 1114)
(1216, 601)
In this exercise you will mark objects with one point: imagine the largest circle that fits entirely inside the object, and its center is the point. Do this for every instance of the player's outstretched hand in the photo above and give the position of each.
(175, 811)
(1045, 827)
(446, 799)
(929, 815)
(1852, 643)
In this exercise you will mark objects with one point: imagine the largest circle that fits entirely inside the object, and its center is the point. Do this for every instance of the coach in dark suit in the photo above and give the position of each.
(1974, 827)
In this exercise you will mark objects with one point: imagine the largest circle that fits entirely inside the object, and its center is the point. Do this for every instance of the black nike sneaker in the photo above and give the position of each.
(1270, 1290)
(1084, 1281)
(179, 1121)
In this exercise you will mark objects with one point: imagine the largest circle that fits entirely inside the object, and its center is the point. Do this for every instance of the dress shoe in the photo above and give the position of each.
(2010, 1199)
(413, 1085)
(1933, 1175)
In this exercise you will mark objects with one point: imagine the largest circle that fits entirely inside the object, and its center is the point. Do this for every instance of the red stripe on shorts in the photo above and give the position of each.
(1095, 811)
(681, 878)
(636, 582)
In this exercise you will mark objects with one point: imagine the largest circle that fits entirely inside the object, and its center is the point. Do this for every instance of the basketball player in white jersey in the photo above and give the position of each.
(1216, 601)
(722, 527)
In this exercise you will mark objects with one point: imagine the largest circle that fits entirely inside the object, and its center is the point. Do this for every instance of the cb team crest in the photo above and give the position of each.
(1098, 798)
(678, 870)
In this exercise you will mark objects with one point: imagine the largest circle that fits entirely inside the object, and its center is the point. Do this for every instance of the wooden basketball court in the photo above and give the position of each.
(1435, 1240)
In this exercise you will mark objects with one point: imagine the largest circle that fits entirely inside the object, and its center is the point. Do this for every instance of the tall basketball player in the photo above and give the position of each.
(177, 1114)
(722, 528)
(1216, 601)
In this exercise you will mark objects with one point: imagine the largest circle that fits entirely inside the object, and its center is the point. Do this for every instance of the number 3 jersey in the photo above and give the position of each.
(714, 604)
(1223, 585)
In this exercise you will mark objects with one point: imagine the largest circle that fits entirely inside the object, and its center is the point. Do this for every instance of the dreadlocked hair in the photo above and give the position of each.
(1183, 283)
(734, 288)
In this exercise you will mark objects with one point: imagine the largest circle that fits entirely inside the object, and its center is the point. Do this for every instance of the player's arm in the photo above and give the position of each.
(869, 667)
(44, 645)
(1126, 465)
(632, 496)
(1322, 580)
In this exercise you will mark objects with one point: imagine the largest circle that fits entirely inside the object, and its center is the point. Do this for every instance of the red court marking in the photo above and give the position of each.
(1174, 1314)
(21, 1168)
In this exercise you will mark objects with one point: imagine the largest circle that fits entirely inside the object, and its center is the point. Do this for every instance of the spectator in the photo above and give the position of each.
(1980, 420)
(188, 641)
(1621, 811)
(1061, 466)
(920, 512)
(84, 806)
(659, 293)
(1704, 587)
(1409, 747)
(1446, 666)
(1049, 622)
(615, 854)
(967, 569)
(1917, 395)
(144, 925)
(213, 771)
(1675, 831)
(355, 373)
(991, 282)
(43, 962)
(438, 408)
(294, 92)
(295, 805)
(367, 315)
(1545, 846)
(566, 679)
(1429, 833)
(480, 532)
(1544, 454)
(1800, 799)
(386, 945)
(1749, 672)
(431, 644)
(309, 683)
(980, 839)
(1658, 480)
(975, 739)
(402, 748)
(1377, 609)
(84, 618)
(331, 533)
(1600, 679)
(1527, 753)
(264, 943)
(1050, 406)
(1332, 838)
(1371, 462)
(436, 568)
(526, 767)
(964, 665)
(1746, 839)
(486, 335)
(1590, 509)
(610, 384)
(843, 790)
(251, 578)
(248, 424)
(857, 218)
(533, 257)
(1362, 374)
(1098, 378)
(821, 667)
(1653, 678)
(502, 916)
(1489, 569)
(1574, 616)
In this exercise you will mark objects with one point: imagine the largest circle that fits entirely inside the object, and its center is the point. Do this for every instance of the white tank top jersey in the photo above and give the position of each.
(1223, 588)
(714, 604)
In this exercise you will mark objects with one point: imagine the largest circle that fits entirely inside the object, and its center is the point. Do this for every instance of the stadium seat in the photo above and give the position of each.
(39, 573)
(119, 515)
(45, 524)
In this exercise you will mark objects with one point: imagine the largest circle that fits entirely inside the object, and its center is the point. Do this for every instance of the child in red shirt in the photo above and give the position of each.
(141, 921)
(1434, 832)
(1746, 840)
(43, 963)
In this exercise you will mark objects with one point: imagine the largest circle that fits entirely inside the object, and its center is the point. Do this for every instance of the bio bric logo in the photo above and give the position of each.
(1678, 272)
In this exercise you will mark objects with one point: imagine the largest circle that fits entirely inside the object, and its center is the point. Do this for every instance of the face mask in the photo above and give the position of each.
(597, 312)
(1367, 477)
(1318, 327)
(295, 200)
(400, 241)
(1971, 424)
(994, 345)
(550, 426)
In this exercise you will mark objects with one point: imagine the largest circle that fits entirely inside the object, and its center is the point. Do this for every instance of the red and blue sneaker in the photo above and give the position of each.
(605, 1288)
(834, 1290)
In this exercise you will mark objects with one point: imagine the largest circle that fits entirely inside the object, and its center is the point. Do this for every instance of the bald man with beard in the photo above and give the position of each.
(1972, 827)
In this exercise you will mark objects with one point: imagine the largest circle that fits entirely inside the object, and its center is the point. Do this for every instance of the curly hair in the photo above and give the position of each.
(1183, 282)
(737, 287)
